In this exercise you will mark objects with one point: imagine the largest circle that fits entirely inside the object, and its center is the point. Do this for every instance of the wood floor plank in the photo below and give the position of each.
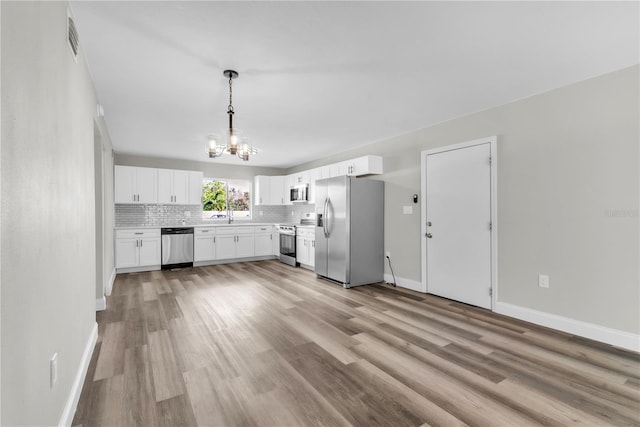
(167, 380)
(266, 344)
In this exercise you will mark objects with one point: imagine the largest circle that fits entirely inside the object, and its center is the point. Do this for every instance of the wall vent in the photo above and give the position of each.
(72, 37)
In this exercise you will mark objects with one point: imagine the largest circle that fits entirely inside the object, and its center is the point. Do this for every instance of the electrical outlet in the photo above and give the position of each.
(387, 254)
(187, 214)
(53, 369)
(543, 280)
(261, 213)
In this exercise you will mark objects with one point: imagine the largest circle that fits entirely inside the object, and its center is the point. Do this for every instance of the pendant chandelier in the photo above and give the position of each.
(234, 144)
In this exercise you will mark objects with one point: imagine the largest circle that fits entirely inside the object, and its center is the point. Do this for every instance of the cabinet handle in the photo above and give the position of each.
(137, 241)
(260, 199)
(140, 243)
(214, 239)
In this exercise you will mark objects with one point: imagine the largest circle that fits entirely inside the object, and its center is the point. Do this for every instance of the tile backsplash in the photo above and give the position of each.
(171, 215)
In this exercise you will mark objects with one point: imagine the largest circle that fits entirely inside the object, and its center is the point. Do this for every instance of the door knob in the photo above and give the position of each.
(429, 235)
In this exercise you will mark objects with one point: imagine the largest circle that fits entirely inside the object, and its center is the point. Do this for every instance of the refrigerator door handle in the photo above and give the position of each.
(325, 217)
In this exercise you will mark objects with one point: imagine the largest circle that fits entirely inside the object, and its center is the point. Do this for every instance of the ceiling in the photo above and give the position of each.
(318, 78)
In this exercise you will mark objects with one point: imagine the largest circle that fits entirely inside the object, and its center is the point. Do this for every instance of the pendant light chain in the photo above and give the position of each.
(230, 96)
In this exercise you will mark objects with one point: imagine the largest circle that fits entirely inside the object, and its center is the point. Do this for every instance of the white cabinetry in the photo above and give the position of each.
(365, 165)
(135, 185)
(138, 248)
(263, 240)
(275, 238)
(306, 247)
(269, 190)
(194, 196)
(204, 244)
(234, 242)
(179, 187)
(314, 175)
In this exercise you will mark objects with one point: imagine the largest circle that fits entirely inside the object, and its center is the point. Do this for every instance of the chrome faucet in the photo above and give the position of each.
(229, 214)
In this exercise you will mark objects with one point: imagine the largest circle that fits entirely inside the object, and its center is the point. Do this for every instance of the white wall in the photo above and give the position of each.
(47, 224)
(568, 188)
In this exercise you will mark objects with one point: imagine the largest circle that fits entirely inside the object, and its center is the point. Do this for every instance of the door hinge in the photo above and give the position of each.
(490, 226)
(489, 159)
(490, 292)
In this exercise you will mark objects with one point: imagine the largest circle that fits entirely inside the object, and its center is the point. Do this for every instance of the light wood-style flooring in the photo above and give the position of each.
(265, 344)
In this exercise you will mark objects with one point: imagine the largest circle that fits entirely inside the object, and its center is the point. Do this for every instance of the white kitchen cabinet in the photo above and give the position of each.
(204, 244)
(365, 165)
(173, 186)
(269, 190)
(138, 248)
(314, 175)
(278, 193)
(194, 196)
(234, 242)
(263, 240)
(306, 247)
(262, 190)
(298, 178)
(179, 187)
(275, 239)
(135, 185)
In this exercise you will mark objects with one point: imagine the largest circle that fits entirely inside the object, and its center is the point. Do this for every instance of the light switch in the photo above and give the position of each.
(407, 210)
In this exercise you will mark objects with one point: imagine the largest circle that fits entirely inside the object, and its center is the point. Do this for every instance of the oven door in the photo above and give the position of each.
(288, 249)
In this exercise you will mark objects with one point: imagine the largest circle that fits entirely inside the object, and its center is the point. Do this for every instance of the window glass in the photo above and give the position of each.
(222, 198)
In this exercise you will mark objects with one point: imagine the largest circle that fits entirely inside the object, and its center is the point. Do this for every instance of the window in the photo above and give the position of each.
(222, 198)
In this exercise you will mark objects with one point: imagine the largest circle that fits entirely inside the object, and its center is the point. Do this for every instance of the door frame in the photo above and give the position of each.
(492, 141)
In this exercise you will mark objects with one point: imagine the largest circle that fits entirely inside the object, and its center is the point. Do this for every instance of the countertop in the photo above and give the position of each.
(208, 224)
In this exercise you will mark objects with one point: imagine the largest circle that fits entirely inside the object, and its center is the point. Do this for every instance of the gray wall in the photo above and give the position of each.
(568, 190)
(48, 228)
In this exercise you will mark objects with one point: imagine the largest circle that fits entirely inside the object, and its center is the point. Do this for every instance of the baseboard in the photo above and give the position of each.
(112, 279)
(101, 304)
(405, 283)
(615, 337)
(76, 388)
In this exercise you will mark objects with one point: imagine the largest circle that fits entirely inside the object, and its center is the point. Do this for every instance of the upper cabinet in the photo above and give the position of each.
(194, 192)
(136, 185)
(150, 185)
(365, 165)
(269, 190)
(173, 186)
(274, 190)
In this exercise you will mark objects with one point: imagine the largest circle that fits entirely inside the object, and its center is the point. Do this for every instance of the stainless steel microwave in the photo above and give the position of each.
(299, 193)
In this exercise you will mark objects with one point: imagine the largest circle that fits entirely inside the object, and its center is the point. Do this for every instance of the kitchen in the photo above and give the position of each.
(184, 235)
(551, 87)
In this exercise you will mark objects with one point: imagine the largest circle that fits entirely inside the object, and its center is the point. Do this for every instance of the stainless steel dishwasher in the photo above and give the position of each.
(177, 247)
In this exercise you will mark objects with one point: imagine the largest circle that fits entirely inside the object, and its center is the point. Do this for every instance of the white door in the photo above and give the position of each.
(165, 186)
(458, 218)
(127, 253)
(147, 185)
(125, 184)
(225, 247)
(245, 245)
(181, 187)
(204, 247)
(150, 251)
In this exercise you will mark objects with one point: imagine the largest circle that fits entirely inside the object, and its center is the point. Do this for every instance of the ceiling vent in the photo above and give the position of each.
(72, 37)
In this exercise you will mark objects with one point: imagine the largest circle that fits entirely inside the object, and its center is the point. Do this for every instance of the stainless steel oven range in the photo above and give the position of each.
(287, 234)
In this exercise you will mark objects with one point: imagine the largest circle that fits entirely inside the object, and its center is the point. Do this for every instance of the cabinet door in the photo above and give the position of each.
(147, 185)
(225, 247)
(180, 187)
(204, 247)
(262, 189)
(264, 245)
(195, 188)
(278, 193)
(165, 186)
(125, 182)
(150, 253)
(245, 246)
(301, 250)
(126, 253)
(275, 240)
(311, 259)
(314, 174)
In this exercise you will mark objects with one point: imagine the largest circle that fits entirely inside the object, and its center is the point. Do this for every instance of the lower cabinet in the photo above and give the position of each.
(263, 240)
(137, 248)
(204, 244)
(306, 247)
(234, 242)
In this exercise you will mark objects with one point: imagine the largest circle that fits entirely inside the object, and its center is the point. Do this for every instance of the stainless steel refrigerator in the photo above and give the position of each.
(350, 230)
